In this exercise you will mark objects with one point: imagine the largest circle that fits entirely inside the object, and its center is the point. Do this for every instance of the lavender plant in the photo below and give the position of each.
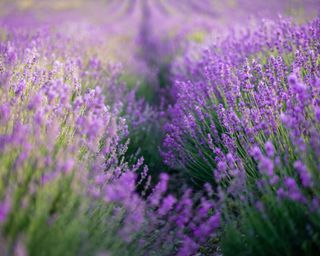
(54, 134)
(66, 187)
(246, 118)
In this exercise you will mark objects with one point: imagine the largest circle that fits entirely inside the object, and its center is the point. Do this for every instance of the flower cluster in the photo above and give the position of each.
(235, 97)
(246, 118)
(64, 120)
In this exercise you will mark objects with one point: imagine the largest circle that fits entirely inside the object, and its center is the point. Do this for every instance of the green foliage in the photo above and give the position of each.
(281, 228)
(144, 141)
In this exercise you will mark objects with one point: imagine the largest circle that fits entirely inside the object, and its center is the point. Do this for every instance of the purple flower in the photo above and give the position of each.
(292, 79)
(269, 149)
(68, 165)
(222, 166)
(303, 173)
(266, 165)
(4, 113)
(20, 88)
(167, 204)
(317, 113)
(5, 207)
(293, 191)
(256, 153)
(189, 247)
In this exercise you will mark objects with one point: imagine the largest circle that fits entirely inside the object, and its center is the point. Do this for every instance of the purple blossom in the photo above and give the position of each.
(303, 173)
(269, 149)
(256, 153)
(317, 113)
(167, 204)
(266, 165)
(4, 113)
(5, 207)
(293, 192)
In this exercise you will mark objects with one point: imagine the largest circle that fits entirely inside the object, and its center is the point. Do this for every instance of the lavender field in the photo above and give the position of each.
(159, 127)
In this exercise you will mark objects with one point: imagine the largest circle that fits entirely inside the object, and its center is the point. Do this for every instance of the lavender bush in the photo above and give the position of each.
(246, 118)
(65, 184)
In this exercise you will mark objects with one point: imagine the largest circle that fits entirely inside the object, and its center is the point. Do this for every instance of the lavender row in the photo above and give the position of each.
(65, 181)
(246, 119)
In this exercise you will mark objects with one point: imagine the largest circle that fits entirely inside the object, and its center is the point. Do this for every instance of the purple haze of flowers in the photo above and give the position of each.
(230, 96)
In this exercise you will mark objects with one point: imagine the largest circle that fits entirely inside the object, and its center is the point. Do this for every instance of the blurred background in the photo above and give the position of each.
(122, 25)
